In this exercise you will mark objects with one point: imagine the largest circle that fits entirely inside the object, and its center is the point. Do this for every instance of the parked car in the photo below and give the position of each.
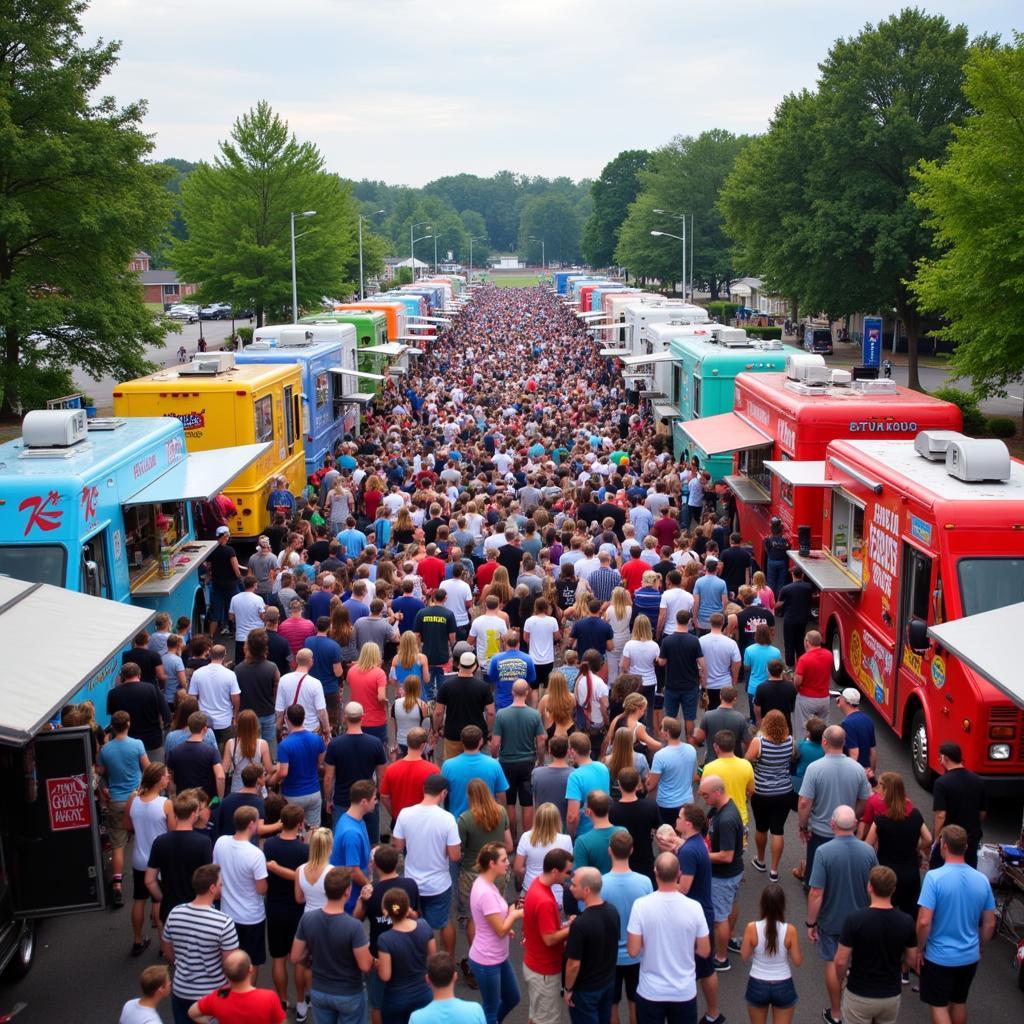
(246, 313)
(818, 339)
(215, 311)
(181, 311)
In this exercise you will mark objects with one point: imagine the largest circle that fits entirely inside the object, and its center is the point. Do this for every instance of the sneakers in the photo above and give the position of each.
(720, 1019)
(138, 948)
(905, 977)
(301, 1011)
(759, 865)
(773, 876)
(735, 945)
(721, 965)
(826, 1016)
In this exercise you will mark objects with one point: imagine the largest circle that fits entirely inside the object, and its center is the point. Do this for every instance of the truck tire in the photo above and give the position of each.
(21, 962)
(919, 745)
(839, 673)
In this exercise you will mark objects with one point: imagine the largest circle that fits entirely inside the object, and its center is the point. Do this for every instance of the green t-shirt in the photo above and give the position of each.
(518, 729)
(473, 838)
(591, 849)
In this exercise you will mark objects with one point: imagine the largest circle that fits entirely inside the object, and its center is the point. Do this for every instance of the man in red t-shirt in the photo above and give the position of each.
(633, 570)
(296, 629)
(241, 1003)
(402, 785)
(486, 572)
(544, 939)
(431, 570)
(812, 678)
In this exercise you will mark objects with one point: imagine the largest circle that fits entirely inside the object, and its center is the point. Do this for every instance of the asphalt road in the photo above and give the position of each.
(83, 971)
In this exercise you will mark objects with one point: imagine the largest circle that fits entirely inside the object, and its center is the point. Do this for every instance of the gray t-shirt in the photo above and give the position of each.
(548, 785)
(377, 630)
(841, 869)
(724, 718)
(830, 781)
(331, 939)
(518, 729)
(260, 567)
(720, 652)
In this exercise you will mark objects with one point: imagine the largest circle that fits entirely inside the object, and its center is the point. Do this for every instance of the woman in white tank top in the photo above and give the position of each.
(149, 815)
(309, 879)
(773, 947)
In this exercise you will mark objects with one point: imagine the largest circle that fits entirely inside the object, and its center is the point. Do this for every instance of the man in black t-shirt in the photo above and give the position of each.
(751, 616)
(145, 706)
(278, 650)
(371, 897)
(435, 626)
(882, 943)
(958, 798)
(194, 764)
(463, 699)
(257, 680)
(725, 828)
(591, 950)
(640, 818)
(225, 578)
(174, 856)
(151, 666)
(737, 564)
(683, 659)
(284, 852)
(794, 603)
(776, 693)
(351, 757)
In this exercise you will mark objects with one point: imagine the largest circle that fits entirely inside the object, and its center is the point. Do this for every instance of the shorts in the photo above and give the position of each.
(545, 993)
(941, 986)
(779, 994)
(723, 895)
(685, 699)
(374, 990)
(139, 890)
(252, 938)
(626, 976)
(520, 789)
(220, 598)
(828, 945)
(543, 671)
(771, 812)
(465, 880)
(436, 910)
(115, 824)
(705, 965)
(281, 925)
(867, 1010)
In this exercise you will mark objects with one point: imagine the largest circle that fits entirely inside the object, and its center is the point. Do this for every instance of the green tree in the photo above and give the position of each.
(616, 187)
(973, 202)
(552, 218)
(77, 199)
(476, 227)
(238, 209)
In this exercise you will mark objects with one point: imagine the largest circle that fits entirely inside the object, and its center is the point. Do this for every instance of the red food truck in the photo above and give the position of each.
(918, 533)
(793, 416)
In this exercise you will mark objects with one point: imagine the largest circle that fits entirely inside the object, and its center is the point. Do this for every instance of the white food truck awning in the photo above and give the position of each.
(389, 348)
(344, 371)
(421, 327)
(726, 432)
(665, 411)
(357, 398)
(645, 358)
(92, 630)
(975, 641)
(825, 573)
(429, 320)
(415, 339)
(610, 327)
(801, 474)
(200, 475)
(615, 351)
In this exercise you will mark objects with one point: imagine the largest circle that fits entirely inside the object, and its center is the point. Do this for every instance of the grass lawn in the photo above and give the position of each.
(514, 280)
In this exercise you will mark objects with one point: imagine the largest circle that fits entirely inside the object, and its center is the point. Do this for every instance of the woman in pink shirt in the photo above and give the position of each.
(494, 920)
(368, 685)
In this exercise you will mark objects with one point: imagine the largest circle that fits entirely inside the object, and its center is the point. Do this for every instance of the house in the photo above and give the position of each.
(750, 292)
(160, 288)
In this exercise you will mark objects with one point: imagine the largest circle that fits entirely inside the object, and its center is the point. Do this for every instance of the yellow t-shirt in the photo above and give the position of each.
(738, 774)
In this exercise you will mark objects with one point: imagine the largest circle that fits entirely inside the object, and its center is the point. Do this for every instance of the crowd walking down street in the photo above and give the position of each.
(504, 713)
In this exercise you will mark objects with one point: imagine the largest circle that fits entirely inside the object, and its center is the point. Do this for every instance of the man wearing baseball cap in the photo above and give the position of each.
(463, 698)
(225, 577)
(860, 731)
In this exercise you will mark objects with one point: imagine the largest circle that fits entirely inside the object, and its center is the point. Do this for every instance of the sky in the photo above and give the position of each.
(406, 90)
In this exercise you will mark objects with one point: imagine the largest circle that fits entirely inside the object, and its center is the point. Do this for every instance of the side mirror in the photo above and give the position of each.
(917, 635)
(92, 578)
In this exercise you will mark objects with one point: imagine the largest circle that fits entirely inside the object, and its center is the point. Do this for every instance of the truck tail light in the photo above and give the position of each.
(1001, 732)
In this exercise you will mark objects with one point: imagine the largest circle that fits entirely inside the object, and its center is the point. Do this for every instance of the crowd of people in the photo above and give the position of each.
(508, 616)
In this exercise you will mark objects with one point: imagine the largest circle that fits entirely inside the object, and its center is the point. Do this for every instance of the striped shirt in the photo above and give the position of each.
(772, 769)
(199, 936)
(603, 581)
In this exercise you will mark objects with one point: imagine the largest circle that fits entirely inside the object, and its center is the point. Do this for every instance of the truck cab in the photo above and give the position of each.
(818, 339)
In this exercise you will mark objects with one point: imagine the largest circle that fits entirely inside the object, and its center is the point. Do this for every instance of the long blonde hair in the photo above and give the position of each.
(620, 603)
(483, 807)
(321, 843)
(547, 825)
(642, 629)
(403, 521)
(561, 705)
(581, 606)
(369, 657)
(501, 585)
(247, 734)
(411, 692)
(622, 753)
(633, 702)
(408, 650)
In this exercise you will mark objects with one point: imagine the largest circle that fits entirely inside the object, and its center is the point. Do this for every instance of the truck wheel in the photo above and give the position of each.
(21, 963)
(839, 672)
(919, 750)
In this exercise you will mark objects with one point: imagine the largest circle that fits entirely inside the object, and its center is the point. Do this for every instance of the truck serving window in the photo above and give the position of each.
(847, 533)
(264, 408)
(989, 583)
(752, 466)
(34, 563)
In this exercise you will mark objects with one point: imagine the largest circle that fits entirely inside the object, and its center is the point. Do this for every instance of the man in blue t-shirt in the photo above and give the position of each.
(472, 764)
(710, 595)
(957, 913)
(327, 668)
(352, 841)
(672, 772)
(587, 776)
(508, 666)
(299, 756)
(860, 731)
(407, 606)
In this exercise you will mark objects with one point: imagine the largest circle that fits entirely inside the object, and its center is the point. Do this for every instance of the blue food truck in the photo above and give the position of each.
(104, 507)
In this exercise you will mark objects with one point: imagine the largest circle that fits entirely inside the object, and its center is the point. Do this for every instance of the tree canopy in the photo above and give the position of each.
(973, 201)
(616, 187)
(237, 212)
(552, 219)
(77, 199)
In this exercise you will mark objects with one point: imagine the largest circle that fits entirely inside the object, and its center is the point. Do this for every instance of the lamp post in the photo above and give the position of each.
(472, 239)
(295, 285)
(437, 235)
(376, 213)
(543, 252)
(412, 243)
(682, 238)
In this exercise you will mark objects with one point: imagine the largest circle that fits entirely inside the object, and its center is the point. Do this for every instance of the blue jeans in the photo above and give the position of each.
(648, 1011)
(685, 699)
(331, 1009)
(593, 1006)
(499, 990)
(434, 679)
(268, 731)
(775, 572)
(179, 1009)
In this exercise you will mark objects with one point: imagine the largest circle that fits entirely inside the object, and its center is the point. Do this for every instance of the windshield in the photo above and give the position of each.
(988, 583)
(33, 563)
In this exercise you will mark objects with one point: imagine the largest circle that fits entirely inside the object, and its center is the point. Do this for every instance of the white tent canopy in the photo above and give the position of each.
(200, 475)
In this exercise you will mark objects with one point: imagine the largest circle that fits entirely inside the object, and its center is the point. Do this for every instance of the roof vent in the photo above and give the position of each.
(295, 337)
(933, 444)
(841, 378)
(54, 428)
(731, 337)
(881, 386)
(209, 364)
(799, 363)
(973, 459)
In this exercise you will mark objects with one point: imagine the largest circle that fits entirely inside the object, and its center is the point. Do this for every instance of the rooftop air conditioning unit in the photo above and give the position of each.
(54, 428)
(841, 378)
(812, 373)
(933, 444)
(209, 364)
(294, 337)
(881, 386)
(732, 337)
(768, 344)
(973, 459)
(797, 360)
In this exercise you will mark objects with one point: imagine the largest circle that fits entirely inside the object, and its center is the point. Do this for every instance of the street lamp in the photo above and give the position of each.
(376, 213)
(678, 238)
(295, 286)
(437, 235)
(543, 254)
(681, 217)
(472, 239)
(412, 243)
